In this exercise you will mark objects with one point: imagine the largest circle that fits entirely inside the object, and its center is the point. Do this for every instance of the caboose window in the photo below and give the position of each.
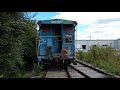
(45, 29)
(68, 29)
(68, 39)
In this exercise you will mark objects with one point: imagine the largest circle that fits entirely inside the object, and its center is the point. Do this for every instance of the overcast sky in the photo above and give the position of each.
(94, 25)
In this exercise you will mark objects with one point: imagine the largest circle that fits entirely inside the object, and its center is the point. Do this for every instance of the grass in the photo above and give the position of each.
(37, 70)
(104, 58)
(28, 74)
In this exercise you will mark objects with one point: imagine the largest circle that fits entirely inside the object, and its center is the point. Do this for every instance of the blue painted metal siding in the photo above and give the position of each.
(47, 39)
(71, 46)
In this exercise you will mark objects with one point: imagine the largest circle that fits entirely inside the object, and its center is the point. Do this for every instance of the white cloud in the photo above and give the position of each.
(81, 34)
(102, 25)
(108, 32)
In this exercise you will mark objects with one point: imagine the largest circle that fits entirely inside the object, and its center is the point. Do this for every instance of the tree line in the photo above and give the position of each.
(17, 43)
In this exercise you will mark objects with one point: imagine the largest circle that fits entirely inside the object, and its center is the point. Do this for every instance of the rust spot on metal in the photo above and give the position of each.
(64, 53)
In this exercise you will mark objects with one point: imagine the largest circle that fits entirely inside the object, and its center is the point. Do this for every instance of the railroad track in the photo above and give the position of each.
(87, 71)
(55, 72)
(68, 73)
(59, 72)
(81, 70)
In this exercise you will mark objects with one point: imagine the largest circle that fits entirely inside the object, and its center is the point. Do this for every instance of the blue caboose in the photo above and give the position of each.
(56, 40)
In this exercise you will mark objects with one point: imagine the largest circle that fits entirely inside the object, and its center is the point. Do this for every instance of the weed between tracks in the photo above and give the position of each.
(105, 58)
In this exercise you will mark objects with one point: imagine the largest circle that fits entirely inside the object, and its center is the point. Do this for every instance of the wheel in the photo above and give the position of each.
(65, 64)
(69, 62)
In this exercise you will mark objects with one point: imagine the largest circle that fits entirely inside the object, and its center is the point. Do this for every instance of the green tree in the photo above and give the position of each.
(17, 42)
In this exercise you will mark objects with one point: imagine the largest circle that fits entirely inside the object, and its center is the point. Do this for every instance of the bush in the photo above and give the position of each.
(38, 68)
(79, 54)
(105, 58)
(17, 43)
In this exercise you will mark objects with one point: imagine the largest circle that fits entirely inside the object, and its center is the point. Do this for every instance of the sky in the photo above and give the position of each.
(91, 25)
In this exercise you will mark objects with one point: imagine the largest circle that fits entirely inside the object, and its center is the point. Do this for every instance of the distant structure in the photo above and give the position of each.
(85, 44)
(90, 36)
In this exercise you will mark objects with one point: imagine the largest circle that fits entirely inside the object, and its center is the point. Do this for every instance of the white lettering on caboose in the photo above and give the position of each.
(56, 21)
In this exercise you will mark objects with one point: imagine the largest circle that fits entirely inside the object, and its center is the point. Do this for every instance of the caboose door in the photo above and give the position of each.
(57, 44)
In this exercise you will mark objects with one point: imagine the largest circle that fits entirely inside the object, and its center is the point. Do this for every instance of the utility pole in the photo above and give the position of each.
(90, 36)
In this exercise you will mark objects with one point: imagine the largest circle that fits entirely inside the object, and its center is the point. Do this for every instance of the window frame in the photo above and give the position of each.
(69, 37)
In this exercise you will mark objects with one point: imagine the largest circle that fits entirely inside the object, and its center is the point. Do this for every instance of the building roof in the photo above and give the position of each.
(56, 21)
(98, 40)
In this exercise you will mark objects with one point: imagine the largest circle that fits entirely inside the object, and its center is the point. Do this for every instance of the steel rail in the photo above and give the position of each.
(85, 75)
(68, 74)
(94, 69)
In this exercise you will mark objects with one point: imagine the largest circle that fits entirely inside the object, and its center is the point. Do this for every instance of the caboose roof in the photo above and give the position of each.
(56, 21)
